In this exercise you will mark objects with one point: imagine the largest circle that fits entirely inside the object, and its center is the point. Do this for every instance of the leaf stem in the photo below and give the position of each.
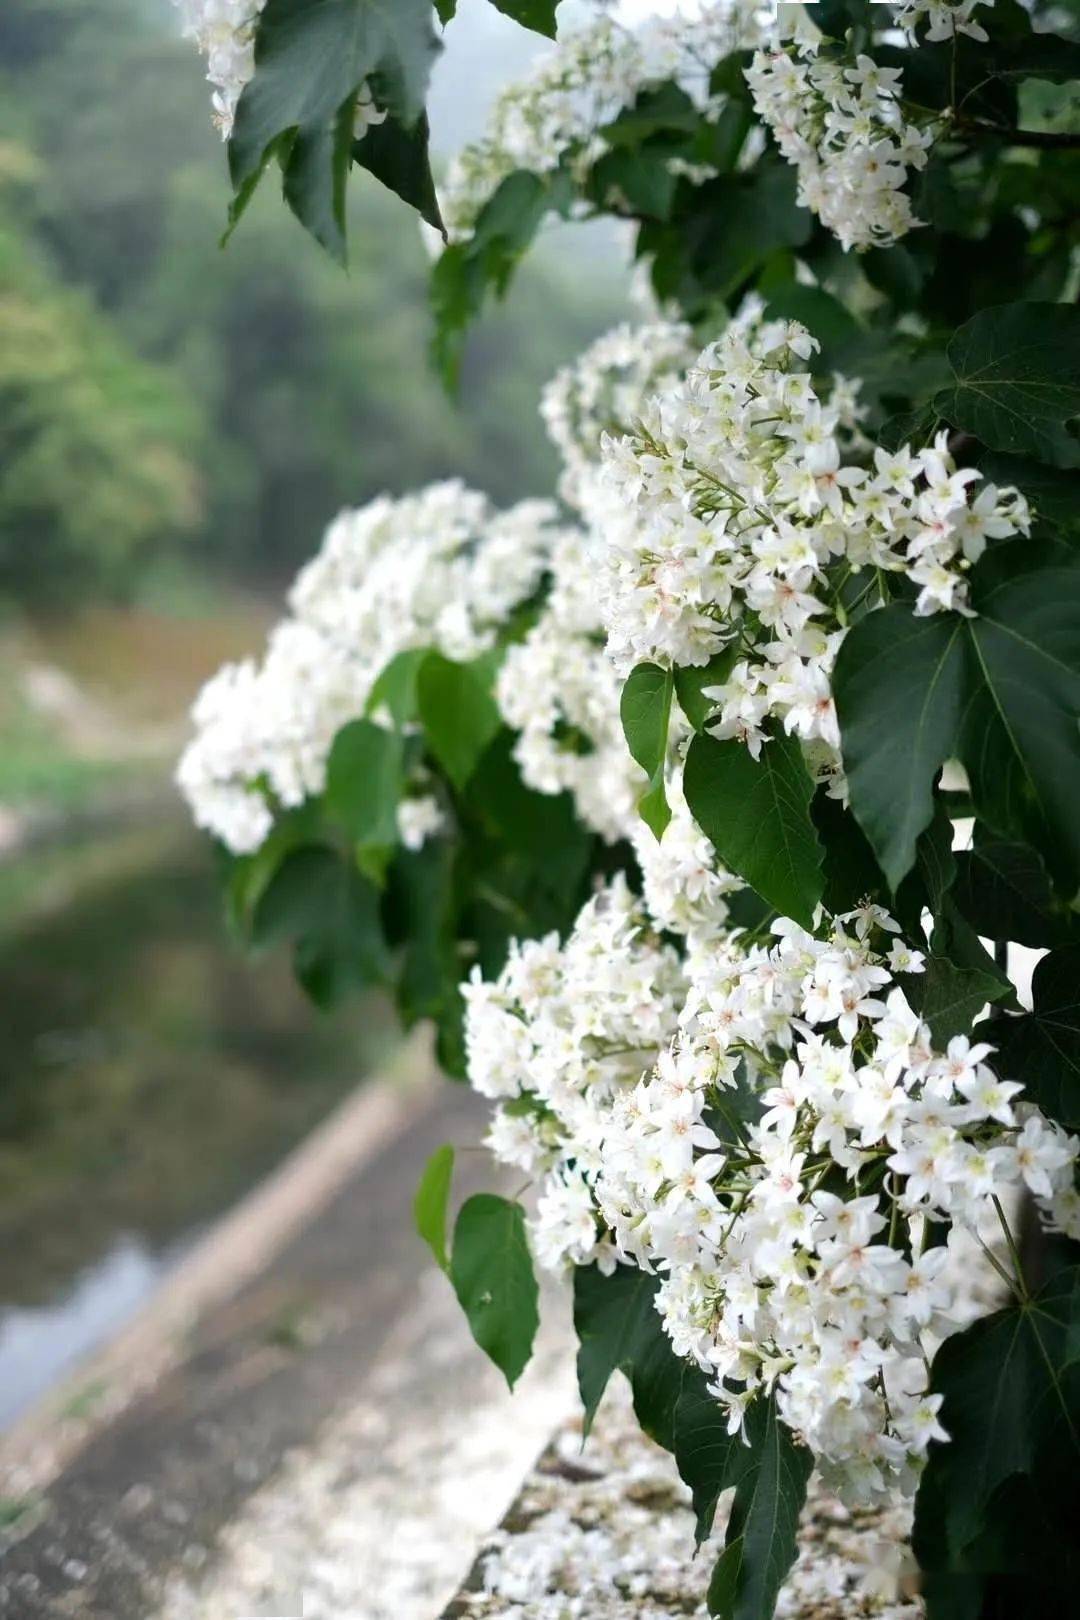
(1014, 1252)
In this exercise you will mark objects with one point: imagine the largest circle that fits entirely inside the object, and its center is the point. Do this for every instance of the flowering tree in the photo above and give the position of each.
(702, 811)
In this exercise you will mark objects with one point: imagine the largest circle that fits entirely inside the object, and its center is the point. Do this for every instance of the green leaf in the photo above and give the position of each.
(397, 154)
(1020, 740)
(664, 109)
(744, 219)
(429, 1205)
(760, 1546)
(332, 915)
(950, 998)
(492, 1273)
(850, 871)
(898, 687)
(732, 1109)
(458, 714)
(1010, 1384)
(636, 182)
(709, 1459)
(1016, 382)
(395, 688)
(756, 812)
(1001, 690)
(619, 1330)
(645, 708)
(248, 876)
(364, 782)
(691, 684)
(466, 271)
(1003, 891)
(315, 174)
(310, 61)
(539, 15)
(446, 10)
(422, 901)
(1042, 1048)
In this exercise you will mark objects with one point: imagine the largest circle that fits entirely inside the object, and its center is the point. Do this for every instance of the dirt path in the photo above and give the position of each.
(301, 1431)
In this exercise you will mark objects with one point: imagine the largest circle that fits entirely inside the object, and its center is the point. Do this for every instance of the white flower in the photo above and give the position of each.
(418, 819)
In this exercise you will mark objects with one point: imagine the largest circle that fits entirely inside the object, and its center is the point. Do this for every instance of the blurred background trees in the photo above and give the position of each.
(165, 401)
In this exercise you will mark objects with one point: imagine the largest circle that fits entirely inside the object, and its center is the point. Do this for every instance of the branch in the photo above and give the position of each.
(1050, 140)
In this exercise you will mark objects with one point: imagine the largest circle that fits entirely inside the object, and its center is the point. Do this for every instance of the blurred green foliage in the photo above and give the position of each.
(156, 389)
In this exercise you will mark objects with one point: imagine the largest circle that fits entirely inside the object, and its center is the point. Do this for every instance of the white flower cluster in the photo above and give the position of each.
(843, 128)
(559, 690)
(780, 1141)
(684, 888)
(439, 569)
(733, 521)
(558, 112)
(604, 391)
(944, 18)
(224, 32)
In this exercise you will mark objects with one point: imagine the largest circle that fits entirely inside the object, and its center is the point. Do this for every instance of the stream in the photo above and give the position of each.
(151, 1074)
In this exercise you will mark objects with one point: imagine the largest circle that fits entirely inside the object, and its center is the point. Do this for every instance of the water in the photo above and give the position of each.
(151, 1074)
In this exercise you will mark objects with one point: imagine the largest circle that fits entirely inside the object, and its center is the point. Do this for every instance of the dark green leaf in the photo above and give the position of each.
(914, 428)
(332, 915)
(645, 708)
(429, 1205)
(364, 782)
(247, 876)
(769, 1494)
(756, 812)
(1010, 1409)
(1042, 1048)
(709, 1459)
(619, 1330)
(949, 998)
(1016, 382)
(315, 176)
(446, 10)
(1020, 739)
(741, 220)
(1003, 891)
(310, 61)
(733, 1108)
(421, 893)
(639, 182)
(539, 15)
(397, 154)
(492, 1273)
(458, 714)
(898, 686)
(1001, 690)
(850, 871)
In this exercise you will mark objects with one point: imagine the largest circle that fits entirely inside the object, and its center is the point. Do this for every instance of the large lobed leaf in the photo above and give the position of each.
(1000, 690)
(1041, 1048)
(311, 58)
(1016, 379)
(1011, 1384)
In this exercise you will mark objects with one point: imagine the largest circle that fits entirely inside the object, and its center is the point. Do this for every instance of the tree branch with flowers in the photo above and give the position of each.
(707, 810)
